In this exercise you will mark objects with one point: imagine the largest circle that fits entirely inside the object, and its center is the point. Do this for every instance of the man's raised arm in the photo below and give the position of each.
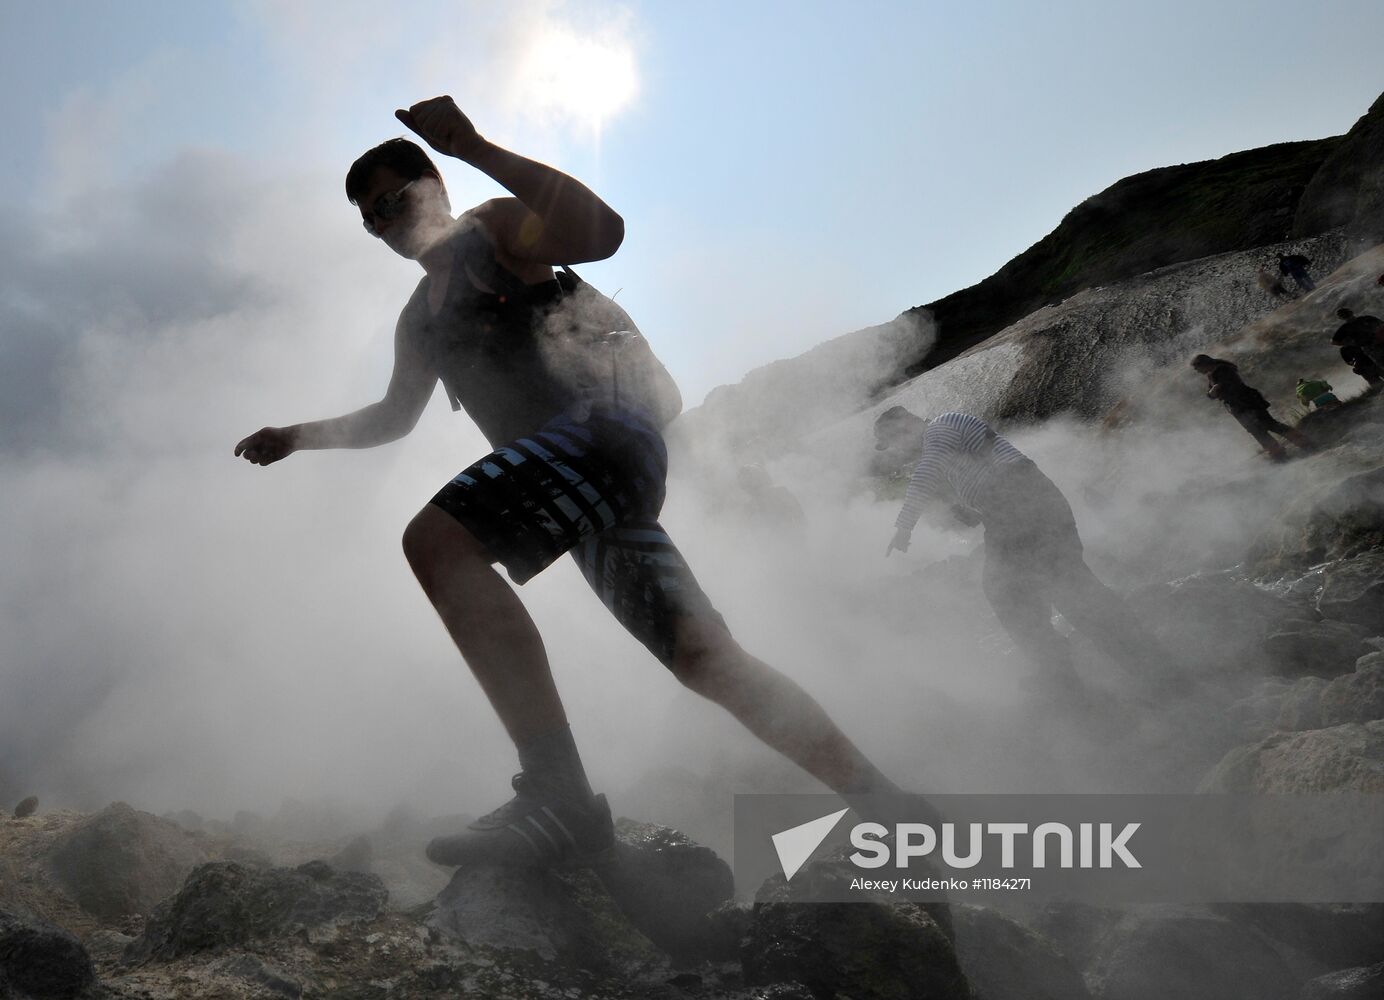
(410, 386)
(556, 219)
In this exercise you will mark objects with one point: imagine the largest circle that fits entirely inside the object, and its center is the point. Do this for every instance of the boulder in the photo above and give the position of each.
(40, 960)
(1357, 697)
(1300, 707)
(1177, 953)
(120, 861)
(1346, 758)
(868, 950)
(1326, 935)
(558, 916)
(1353, 590)
(1365, 983)
(26, 807)
(1005, 961)
(666, 884)
(259, 974)
(225, 904)
(1345, 190)
(1319, 649)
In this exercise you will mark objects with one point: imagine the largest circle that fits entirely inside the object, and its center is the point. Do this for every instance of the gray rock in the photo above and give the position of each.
(564, 917)
(1366, 983)
(1320, 649)
(41, 960)
(1005, 961)
(1348, 758)
(224, 904)
(1329, 935)
(254, 970)
(26, 807)
(1353, 590)
(730, 924)
(356, 856)
(186, 818)
(1160, 953)
(666, 884)
(865, 950)
(1357, 697)
(121, 861)
(1301, 706)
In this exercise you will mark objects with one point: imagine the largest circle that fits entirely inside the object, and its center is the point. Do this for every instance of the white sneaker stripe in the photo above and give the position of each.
(539, 827)
(527, 839)
(560, 825)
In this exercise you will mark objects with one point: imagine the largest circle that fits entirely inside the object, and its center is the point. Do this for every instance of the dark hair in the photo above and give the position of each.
(405, 158)
(892, 414)
(1203, 359)
(1344, 313)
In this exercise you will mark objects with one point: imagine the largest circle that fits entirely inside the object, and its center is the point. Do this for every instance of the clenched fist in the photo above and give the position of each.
(439, 122)
(267, 445)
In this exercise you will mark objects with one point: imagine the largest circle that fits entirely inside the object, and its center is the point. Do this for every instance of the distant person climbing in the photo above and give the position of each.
(1361, 364)
(1316, 394)
(568, 474)
(1033, 554)
(1295, 266)
(1363, 332)
(1247, 405)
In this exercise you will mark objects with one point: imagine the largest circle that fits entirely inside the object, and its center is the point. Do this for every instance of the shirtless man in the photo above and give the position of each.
(558, 481)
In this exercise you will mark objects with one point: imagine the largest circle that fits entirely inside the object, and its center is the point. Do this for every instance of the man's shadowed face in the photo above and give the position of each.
(408, 217)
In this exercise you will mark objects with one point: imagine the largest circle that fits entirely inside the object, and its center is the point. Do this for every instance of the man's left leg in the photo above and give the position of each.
(643, 579)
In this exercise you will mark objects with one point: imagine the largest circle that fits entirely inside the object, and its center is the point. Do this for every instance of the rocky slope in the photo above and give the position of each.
(1240, 210)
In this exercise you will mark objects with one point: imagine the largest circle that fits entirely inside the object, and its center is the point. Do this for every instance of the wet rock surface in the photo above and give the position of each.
(224, 904)
(1365, 983)
(1346, 758)
(1163, 952)
(666, 885)
(1006, 961)
(40, 960)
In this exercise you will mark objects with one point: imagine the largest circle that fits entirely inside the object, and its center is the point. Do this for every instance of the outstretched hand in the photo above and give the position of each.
(899, 542)
(267, 445)
(439, 122)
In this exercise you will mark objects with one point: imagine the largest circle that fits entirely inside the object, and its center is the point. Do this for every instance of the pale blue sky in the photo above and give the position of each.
(787, 172)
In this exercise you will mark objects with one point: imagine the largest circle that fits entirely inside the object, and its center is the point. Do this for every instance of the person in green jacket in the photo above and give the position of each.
(1315, 393)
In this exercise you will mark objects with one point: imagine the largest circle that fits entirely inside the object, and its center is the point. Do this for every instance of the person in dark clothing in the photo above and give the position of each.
(562, 478)
(1363, 332)
(1361, 364)
(1295, 267)
(1247, 405)
(1034, 558)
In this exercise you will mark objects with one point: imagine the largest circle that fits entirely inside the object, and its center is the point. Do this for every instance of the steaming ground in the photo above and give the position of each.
(184, 631)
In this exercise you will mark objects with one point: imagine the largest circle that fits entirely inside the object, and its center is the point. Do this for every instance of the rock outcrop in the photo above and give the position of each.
(226, 905)
(122, 862)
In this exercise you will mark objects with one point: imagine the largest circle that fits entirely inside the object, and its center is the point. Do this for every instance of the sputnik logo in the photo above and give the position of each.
(796, 844)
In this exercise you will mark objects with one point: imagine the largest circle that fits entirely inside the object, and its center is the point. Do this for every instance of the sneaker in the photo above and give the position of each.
(535, 828)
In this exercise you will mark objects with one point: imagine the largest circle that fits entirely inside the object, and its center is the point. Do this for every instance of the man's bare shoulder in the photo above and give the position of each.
(414, 315)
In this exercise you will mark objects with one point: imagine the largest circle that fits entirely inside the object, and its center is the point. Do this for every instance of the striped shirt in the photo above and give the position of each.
(957, 456)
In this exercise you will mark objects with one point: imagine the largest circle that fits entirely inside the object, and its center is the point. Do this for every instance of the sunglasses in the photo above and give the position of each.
(389, 205)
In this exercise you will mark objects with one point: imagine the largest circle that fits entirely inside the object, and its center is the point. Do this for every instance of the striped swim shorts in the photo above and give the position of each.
(593, 488)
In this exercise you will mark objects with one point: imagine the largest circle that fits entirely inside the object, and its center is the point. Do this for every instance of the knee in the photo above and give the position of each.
(433, 537)
(706, 658)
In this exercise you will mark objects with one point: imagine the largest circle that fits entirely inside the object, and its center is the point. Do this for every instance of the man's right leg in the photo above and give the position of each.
(489, 624)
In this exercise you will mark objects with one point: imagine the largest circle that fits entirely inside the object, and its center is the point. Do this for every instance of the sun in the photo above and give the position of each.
(585, 80)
